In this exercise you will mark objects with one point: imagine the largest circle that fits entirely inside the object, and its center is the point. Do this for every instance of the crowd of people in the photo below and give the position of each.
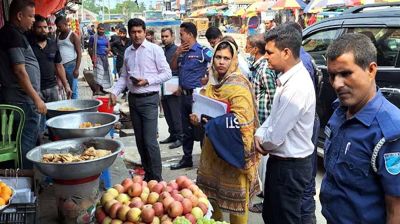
(264, 145)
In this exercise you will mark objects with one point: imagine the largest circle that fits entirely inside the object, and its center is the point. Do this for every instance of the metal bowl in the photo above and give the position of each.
(80, 105)
(67, 126)
(75, 170)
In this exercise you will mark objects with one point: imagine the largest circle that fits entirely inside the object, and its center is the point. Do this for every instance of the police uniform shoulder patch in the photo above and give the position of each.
(209, 53)
(392, 162)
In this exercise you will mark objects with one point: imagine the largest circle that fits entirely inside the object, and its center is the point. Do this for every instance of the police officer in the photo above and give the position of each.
(191, 59)
(362, 150)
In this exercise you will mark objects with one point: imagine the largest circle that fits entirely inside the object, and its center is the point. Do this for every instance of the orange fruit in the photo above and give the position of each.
(2, 202)
(6, 190)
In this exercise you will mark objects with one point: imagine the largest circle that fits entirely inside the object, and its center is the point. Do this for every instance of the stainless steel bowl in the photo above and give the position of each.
(67, 126)
(76, 170)
(80, 105)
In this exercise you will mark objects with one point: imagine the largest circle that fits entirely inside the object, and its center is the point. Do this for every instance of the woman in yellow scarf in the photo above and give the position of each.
(229, 188)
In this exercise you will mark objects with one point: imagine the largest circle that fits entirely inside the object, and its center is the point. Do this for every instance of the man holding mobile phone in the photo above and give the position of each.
(145, 68)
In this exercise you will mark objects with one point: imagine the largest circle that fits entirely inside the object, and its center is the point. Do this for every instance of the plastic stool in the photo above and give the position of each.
(105, 177)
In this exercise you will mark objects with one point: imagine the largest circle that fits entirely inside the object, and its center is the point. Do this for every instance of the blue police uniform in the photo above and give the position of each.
(192, 67)
(352, 191)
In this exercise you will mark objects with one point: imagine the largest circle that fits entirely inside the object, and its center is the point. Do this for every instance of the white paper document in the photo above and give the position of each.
(170, 86)
(208, 106)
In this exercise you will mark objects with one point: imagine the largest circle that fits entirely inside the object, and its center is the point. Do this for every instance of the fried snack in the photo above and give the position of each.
(67, 108)
(89, 125)
(89, 154)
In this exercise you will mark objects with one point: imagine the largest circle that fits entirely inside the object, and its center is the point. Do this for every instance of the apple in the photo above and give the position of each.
(137, 179)
(127, 183)
(191, 218)
(187, 205)
(128, 222)
(146, 190)
(135, 190)
(136, 204)
(164, 195)
(194, 200)
(175, 209)
(151, 184)
(119, 188)
(106, 220)
(180, 180)
(174, 192)
(173, 184)
(121, 214)
(147, 214)
(197, 213)
(108, 205)
(113, 191)
(186, 183)
(204, 200)
(167, 222)
(100, 214)
(194, 188)
(144, 197)
(203, 207)
(123, 198)
(186, 193)
(165, 217)
(158, 209)
(167, 202)
(178, 197)
(157, 188)
(114, 209)
(153, 198)
(144, 184)
(106, 197)
(133, 215)
(156, 220)
(116, 221)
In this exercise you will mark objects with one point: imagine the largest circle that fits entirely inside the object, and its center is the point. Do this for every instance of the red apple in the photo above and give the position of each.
(151, 184)
(191, 218)
(157, 188)
(164, 195)
(100, 214)
(178, 197)
(108, 205)
(186, 183)
(175, 209)
(148, 214)
(163, 183)
(194, 188)
(203, 207)
(119, 188)
(135, 190)
(180, 180)
(127, 183)
(137, 179)
(136, 204)
(158, 209)
(174, 192)
(186, 193)
(195, 200)
(168, 189)
(167, 202)
(114, 209)
(173, 185)
(153, 198)
(187, 205)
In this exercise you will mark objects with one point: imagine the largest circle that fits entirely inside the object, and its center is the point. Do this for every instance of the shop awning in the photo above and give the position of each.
(239, 12)
(244, 2)
(260, 6)
(208, 11)
(47, 7)
(289, 4)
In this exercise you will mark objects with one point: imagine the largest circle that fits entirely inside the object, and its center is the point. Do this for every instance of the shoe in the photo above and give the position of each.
(176, 144)
(182, 164)
(167, 140)
(256, 208)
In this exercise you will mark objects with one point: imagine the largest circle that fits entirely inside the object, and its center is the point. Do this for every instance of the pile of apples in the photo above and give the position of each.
(137, 201)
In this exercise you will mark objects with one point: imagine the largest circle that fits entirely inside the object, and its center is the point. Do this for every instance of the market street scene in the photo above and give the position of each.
(199, 111)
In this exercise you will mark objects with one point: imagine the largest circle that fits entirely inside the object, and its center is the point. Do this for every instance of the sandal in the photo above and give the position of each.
(256, 208)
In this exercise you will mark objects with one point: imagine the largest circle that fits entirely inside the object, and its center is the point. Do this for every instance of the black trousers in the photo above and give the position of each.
(172, 111)
(144, 115)
(285, 183)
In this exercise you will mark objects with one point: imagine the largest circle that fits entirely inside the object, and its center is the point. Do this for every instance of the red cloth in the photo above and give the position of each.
(47, 7)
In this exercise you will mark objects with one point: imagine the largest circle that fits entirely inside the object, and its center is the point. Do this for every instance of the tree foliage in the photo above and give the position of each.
(124, 8)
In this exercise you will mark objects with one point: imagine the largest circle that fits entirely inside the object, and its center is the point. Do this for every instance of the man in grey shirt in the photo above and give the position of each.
(20, 74)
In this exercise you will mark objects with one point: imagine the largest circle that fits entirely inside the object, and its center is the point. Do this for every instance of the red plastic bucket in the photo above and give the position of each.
(105, 107)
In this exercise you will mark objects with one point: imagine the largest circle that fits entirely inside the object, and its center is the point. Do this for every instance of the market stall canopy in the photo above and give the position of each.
(289, 4)
(47, 7)
(239, 12)
(260, 6)
(244, 2)
(208, 11)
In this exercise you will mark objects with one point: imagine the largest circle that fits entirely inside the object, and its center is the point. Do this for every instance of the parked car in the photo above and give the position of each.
(381, 23)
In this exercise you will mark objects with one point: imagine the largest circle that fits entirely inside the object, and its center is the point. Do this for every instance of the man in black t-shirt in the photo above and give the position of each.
(49, 59)
(20, 72)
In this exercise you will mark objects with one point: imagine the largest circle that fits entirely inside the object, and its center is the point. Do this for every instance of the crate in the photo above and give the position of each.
(20, 213)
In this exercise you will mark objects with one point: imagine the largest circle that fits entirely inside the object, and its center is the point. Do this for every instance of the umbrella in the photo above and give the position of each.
(330, 4)
(289, 4)
(260, 6)
(228, 13)
(239, 12)
(211, 12)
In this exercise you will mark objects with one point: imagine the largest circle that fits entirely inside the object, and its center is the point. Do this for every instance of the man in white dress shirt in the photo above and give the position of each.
(286, 134)
(145, 68)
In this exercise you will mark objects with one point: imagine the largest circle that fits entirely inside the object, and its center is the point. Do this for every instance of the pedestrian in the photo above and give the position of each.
(69, 45)
(52, 34)
(118, 48)
(99, 49)
(150, 36)
(49, 59)
(213, 35)
(171, 103)
(229, 185)
(286, 134)
(20, 73)
(145, 68)
(362, 147)
(269, 24)
(263, 84)
(192, 60)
